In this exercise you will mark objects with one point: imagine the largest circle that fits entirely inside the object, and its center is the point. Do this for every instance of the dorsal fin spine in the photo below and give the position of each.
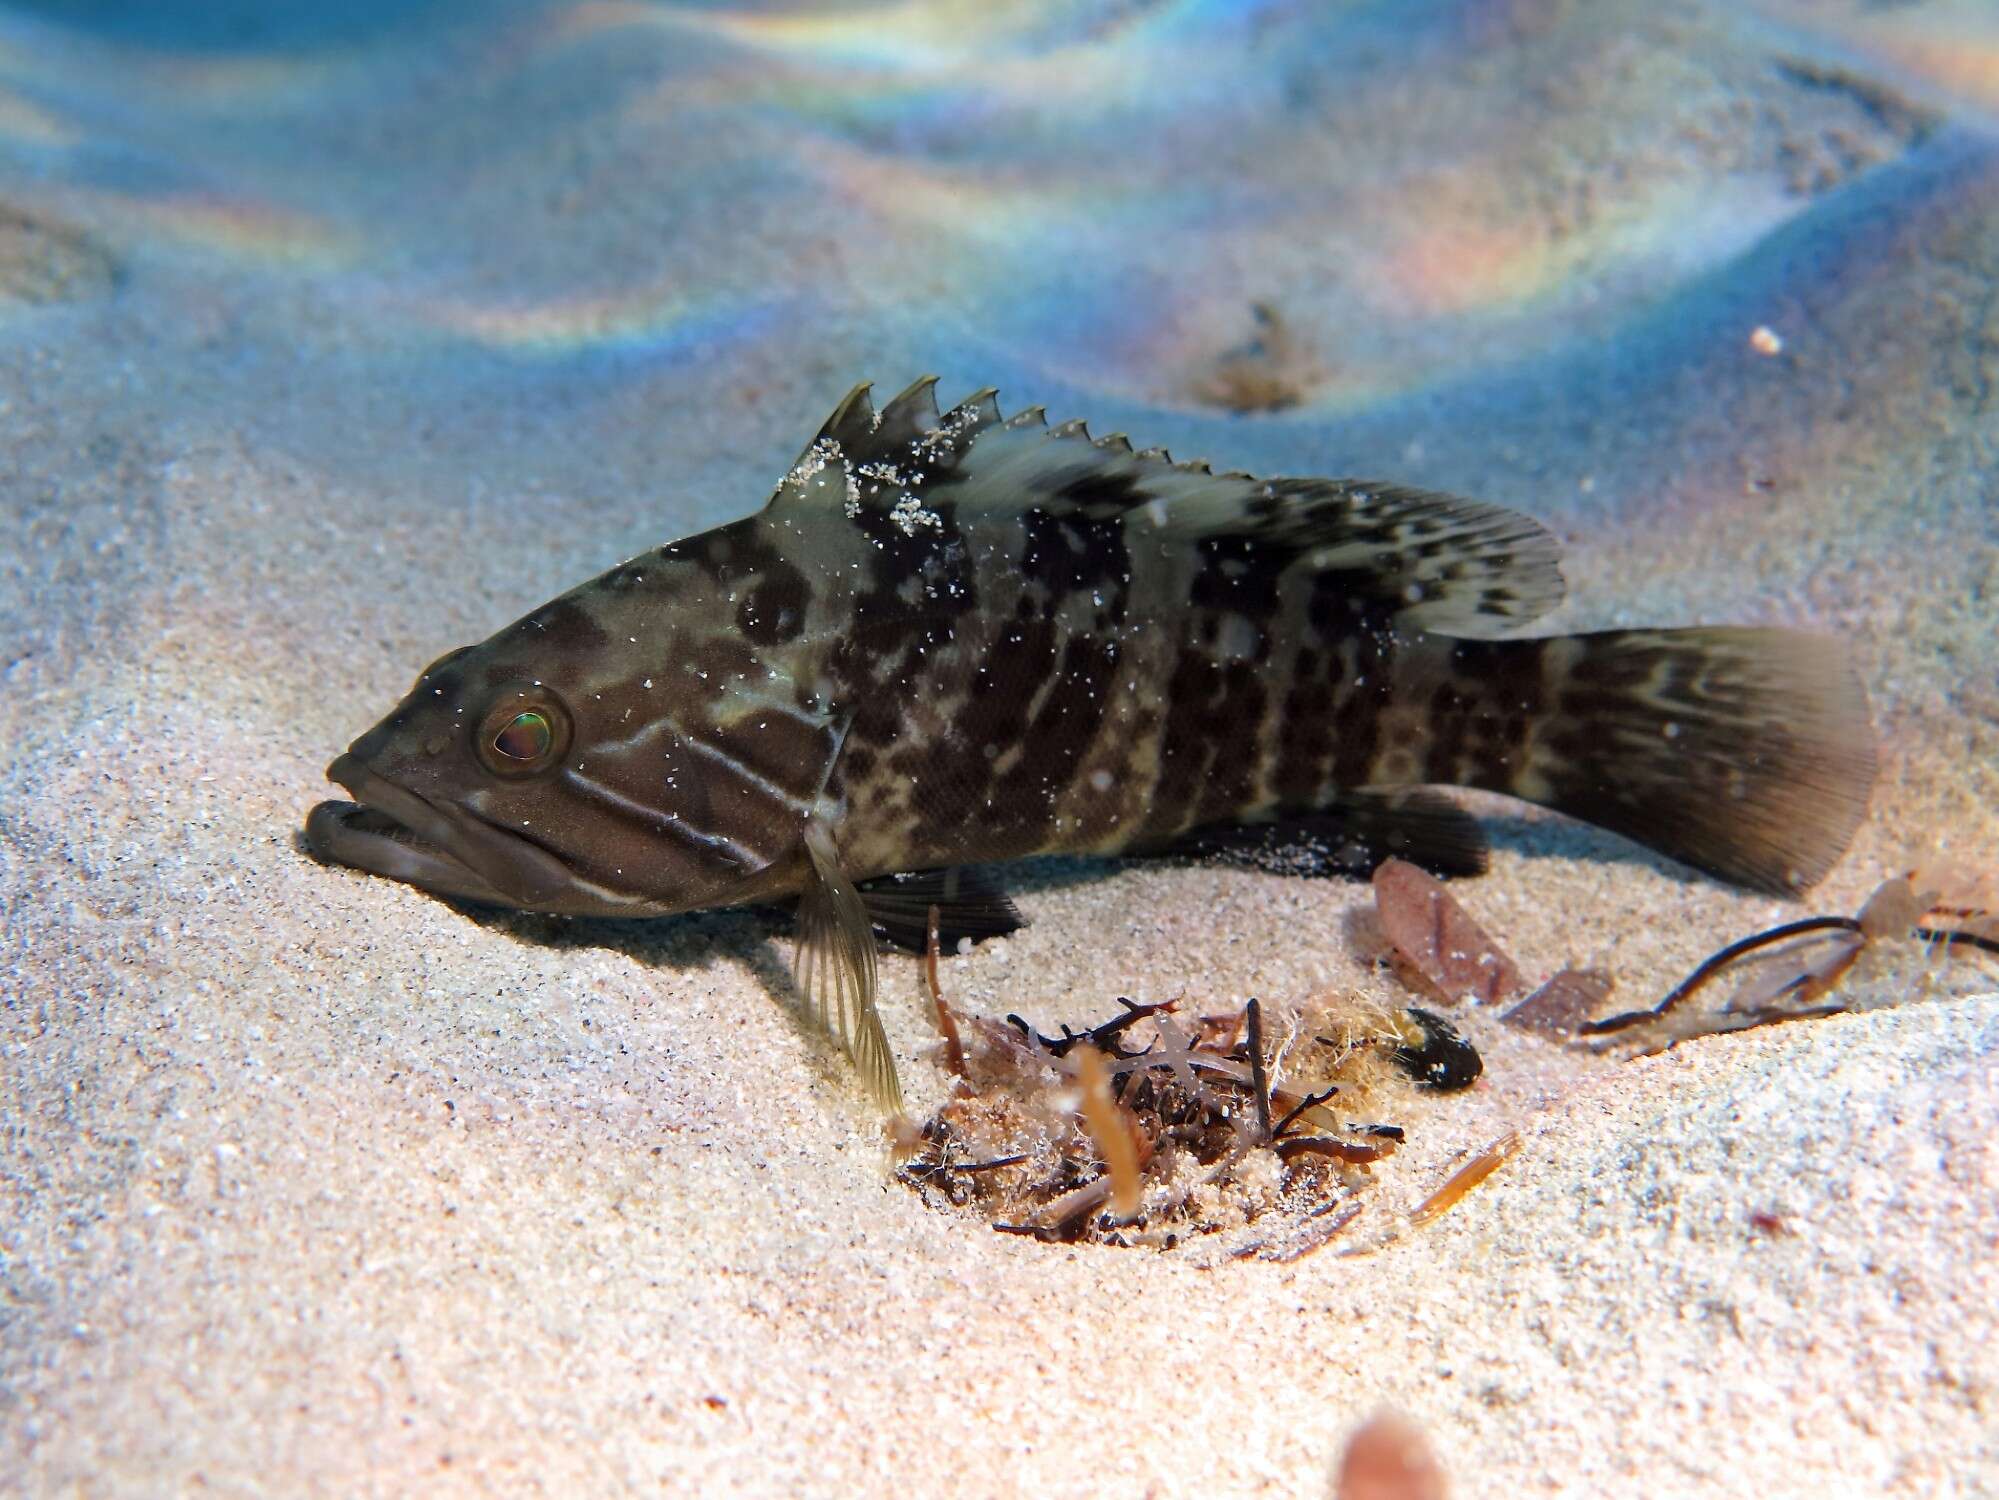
(914, 408)
(857, 405)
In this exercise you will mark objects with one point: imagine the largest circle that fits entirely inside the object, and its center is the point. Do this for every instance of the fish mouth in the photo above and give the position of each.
(390, 830)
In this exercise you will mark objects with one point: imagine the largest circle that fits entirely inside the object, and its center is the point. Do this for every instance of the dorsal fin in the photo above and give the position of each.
(980, 409)
(910, 415)
(860, 456)
(1432, 561)
(853, 421)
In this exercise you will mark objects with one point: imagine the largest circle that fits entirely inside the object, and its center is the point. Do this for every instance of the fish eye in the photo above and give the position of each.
(526, 737)
(525, 731)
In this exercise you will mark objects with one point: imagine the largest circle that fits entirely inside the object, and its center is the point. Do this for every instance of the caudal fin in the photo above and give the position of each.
(1745, 753)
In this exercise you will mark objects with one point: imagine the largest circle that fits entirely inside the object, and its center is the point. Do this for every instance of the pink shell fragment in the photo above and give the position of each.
(1561, 1005)
(1433, 932)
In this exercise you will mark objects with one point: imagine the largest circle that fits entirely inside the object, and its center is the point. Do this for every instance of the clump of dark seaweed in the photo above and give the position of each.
(1150, 1129)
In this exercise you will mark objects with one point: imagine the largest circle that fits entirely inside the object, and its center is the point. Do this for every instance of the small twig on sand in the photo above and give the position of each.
(1310, 1101)
(1259, 1080)
(1713, 965)
(1325, 1145)
(931, 1169)
(1103, 1037)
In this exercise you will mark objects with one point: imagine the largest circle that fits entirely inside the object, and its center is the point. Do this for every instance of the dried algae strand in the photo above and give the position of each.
(947, 1024)
(1112, 1130)
(1467, 1177)
(1259, 1079)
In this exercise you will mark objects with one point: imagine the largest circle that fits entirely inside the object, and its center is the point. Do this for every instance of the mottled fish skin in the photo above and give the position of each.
(955, 638)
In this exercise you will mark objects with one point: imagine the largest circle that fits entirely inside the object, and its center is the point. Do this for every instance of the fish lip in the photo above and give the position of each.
(332, 835)
(446, 849)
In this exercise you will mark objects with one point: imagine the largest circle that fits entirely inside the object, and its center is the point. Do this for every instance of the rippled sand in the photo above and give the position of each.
(328, 350)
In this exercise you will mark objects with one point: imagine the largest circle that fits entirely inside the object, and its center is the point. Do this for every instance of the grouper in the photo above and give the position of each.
(955, 639)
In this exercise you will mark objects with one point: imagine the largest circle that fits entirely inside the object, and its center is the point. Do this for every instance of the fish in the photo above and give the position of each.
(955, 639)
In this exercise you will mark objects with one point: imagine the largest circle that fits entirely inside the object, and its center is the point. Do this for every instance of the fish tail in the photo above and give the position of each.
(1746, 753)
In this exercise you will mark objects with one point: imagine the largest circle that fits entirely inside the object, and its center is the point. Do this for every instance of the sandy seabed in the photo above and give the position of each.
(326, 350)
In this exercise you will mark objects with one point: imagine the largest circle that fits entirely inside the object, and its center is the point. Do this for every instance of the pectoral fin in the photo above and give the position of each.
(835, 967)
(1350, 836)
(970, 904)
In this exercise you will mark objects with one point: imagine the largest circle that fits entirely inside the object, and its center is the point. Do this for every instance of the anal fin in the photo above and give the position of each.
(970, 904)
(1349, 836)
(835, 968)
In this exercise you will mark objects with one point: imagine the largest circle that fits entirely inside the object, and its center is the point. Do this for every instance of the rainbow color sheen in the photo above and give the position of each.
(634, 319)
(525, 738)
(1094, 205)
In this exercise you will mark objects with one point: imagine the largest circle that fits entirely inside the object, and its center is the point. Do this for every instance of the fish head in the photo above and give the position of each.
(581, 762)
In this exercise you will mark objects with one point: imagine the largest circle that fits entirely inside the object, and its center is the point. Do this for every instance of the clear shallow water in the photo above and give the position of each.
(1087, 204)
(227, 26)
(619, 256)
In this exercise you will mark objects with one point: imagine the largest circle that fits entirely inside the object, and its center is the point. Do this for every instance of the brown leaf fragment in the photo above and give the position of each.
(1561, 1005)
(1061, 1217)
(1320, 1145)
(1433, 932)
(1388, 1459)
